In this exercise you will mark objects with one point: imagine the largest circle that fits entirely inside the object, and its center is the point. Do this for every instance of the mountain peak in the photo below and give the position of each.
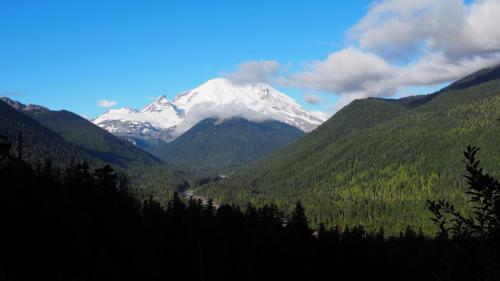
(221, 82)
(161, 104)
(218, 98)
(162, 100)
(217, 81)
(221, 97)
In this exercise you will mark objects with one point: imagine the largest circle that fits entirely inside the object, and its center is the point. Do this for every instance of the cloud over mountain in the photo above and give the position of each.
(254, 72)
(401, 43)
(218, 98)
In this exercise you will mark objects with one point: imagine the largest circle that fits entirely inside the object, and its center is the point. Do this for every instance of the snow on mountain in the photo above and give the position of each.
(161, 114)
(222, 98)
(216, 98)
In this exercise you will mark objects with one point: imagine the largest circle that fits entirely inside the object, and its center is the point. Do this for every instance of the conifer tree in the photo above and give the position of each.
(298, 222)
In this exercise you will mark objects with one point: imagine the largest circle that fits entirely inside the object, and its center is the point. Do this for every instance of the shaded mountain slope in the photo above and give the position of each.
(213, 146)
(93, 139)
(38, 142)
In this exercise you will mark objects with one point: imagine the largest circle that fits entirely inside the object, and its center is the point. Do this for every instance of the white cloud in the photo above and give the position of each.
(400, 43)
(254, 71)
(401, 28)
(347, 71)
(106, 103)
(397, 29)
(435, 68)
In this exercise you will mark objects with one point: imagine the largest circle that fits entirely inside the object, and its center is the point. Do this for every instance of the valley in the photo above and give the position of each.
(374, 163)
(250, 140)
(377, 161)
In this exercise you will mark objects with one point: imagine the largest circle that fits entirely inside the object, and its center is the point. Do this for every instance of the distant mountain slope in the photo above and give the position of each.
(163, 121)
(82, 133)
(38, 142)
(93, 139)
(221, 146)
(377, 161)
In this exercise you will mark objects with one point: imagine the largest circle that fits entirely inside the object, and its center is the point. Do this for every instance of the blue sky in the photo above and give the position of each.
(71, 54)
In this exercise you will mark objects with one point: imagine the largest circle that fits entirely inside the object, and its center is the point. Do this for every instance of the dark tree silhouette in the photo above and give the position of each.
(484, 193)
(298, 222)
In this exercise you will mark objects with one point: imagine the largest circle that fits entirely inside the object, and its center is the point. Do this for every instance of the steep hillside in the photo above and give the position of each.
(213, 146)
(94, 140)
(377, 161)
(38, 142)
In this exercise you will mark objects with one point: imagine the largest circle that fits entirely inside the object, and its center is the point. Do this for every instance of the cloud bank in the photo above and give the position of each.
(254, 71)
(401, 43)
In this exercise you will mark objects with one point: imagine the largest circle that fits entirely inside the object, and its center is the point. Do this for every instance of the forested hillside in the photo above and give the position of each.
(38, 142)
(94, 140)
(377, 161)
(65, 138)
(222, 146)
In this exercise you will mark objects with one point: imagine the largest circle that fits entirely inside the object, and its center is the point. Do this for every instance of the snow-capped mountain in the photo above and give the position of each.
(217, 98)
(156, 122)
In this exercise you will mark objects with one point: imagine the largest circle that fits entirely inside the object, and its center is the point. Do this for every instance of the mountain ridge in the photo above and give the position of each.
(39, 143)
(82, 133)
